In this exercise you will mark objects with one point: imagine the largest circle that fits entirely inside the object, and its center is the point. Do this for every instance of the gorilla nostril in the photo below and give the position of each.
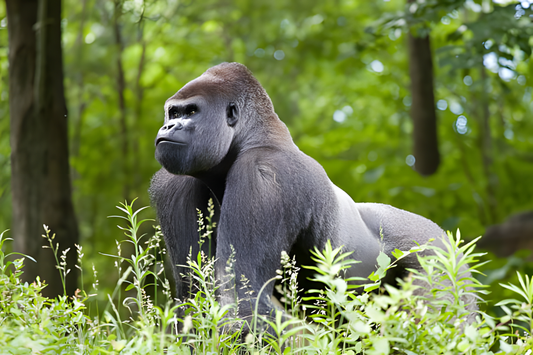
(169, 126)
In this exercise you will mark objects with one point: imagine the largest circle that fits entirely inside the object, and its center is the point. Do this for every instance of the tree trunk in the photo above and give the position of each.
(139, 97)
(121, 88)
(426, 148)
(39, 141)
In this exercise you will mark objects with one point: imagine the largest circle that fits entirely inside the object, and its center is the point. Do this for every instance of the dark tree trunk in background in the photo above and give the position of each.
(40, 177)
(58, 211)
(139, 96)
(426, 149)
(26, 138)
(121, 89)
(514, 234)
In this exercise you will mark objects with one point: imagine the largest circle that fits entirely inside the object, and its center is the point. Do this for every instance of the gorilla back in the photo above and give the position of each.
(221, 139)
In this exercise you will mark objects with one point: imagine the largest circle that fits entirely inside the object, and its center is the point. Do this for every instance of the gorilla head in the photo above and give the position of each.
(203, 120)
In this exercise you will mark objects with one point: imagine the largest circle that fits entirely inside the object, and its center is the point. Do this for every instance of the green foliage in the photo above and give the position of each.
(337, 73)
(61, 260)
(350, 117)
(424, 314)
(32, 323)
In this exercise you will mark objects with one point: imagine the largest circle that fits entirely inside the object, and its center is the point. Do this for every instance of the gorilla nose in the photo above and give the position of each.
(177, 125)
(172, 131)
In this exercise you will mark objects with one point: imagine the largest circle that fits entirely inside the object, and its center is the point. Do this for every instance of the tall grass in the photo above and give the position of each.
(380, 319)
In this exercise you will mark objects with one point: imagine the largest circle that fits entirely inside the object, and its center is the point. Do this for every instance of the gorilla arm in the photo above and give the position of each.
(256, 225)
(176, 198)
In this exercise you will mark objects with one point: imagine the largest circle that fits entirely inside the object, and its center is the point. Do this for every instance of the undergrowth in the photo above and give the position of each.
(379, 319)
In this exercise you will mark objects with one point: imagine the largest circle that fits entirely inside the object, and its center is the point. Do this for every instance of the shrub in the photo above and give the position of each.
(379, 319)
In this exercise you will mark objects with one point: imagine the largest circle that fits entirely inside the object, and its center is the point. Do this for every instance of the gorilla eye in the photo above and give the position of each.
(191, 110)
(173, 113)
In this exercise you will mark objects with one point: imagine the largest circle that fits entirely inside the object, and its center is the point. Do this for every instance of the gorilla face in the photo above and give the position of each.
(197, 133)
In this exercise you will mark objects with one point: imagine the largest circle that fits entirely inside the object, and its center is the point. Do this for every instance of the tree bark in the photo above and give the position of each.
(40, 177)
(139, 97)
(121, 88)
(426, 148)
(26, 138)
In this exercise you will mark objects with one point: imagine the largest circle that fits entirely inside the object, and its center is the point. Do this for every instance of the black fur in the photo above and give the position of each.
(223, 140)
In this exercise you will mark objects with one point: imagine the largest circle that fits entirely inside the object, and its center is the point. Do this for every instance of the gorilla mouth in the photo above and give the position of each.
(166, 140)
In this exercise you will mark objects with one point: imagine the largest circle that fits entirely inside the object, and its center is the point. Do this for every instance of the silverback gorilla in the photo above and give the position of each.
(221, 139)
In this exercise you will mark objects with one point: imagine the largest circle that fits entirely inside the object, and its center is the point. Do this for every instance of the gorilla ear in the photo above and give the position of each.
(232, 114)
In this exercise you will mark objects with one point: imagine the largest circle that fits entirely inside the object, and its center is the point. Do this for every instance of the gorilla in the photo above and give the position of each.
(222, 140)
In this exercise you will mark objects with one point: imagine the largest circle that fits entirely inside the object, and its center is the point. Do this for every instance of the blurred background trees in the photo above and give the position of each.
(338, 74)
(40, 171)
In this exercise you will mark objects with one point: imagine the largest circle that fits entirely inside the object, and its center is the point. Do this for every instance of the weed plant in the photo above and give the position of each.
(377, 319)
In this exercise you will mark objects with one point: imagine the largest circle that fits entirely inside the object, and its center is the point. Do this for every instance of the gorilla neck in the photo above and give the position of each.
(215, 178)
(264, 132)
(268, 133)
